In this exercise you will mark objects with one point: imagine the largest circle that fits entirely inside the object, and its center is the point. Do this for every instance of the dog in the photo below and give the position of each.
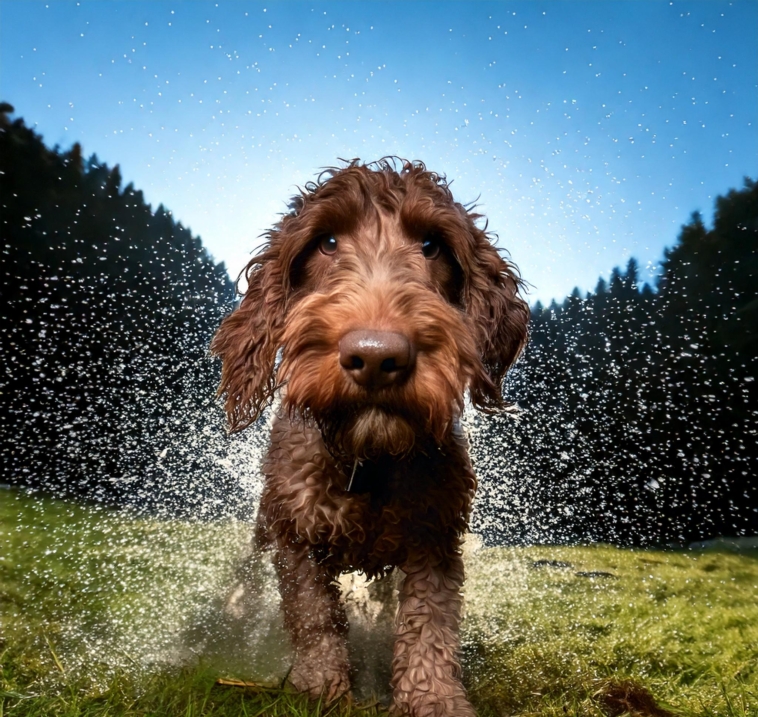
(374, 306)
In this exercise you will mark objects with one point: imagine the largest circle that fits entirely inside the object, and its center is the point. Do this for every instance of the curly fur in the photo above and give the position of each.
(360, 477)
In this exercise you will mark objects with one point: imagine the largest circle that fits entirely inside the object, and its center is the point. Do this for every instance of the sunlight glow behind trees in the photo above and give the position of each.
(587, 129)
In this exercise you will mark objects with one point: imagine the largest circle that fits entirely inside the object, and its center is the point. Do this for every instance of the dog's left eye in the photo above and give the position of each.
(430, 247)
(327, 245)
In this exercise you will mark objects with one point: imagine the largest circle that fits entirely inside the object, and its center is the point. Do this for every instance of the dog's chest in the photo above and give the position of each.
(369, 518)
(390, 511)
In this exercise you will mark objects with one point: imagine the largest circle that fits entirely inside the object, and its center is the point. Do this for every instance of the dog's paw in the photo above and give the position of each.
(321, 672)
(326, 684)
(450, 702)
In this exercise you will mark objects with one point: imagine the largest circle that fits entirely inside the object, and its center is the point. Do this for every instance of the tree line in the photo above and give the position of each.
(638, 409)
(639, 419)
(107, 309)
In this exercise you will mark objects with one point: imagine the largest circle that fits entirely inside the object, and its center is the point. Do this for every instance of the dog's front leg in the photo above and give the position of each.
(426, 673)
(315, 620)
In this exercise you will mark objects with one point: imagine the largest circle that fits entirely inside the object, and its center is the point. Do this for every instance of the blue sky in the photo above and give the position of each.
(589, 130)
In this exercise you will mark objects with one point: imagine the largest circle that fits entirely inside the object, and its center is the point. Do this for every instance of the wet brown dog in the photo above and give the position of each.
(388, 303)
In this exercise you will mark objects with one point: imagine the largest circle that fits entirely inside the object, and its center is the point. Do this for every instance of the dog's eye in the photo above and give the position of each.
(327, 245)
(430, 247)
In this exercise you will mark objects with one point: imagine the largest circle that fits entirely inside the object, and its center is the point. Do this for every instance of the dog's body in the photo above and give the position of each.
(388, 303)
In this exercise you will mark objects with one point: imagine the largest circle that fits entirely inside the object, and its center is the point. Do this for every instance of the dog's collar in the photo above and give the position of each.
(352, 475)
(375, 475)
(370, 476)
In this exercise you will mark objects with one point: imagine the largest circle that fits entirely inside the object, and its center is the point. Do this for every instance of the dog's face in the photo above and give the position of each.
(388, 303)
(376, 346)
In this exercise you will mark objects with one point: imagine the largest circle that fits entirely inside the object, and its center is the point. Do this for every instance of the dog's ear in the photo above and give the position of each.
(499, 314)
(248, 339)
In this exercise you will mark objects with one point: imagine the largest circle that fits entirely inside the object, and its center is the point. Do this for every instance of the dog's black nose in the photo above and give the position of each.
(375, 359)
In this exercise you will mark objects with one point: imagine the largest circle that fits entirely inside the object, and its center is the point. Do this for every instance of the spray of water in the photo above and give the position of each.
(108, 397)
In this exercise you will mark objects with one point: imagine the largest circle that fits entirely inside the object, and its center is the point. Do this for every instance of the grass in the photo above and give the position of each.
(572, 626)
(103, 613)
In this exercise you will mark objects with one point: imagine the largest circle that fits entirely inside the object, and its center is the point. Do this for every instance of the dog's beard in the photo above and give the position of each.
(357, 424)
(368, 433)
(397, 423)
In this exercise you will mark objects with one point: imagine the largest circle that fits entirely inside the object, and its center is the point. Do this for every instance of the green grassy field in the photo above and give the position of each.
(102, 613)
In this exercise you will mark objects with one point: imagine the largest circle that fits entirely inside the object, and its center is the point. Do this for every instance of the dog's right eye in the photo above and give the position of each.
(430, 247)
(327, 245)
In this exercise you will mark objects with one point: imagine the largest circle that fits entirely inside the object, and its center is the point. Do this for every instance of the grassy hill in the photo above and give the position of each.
(103, 612)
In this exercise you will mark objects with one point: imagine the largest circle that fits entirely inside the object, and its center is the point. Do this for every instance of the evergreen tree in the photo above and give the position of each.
(639, 419)
(108, 309)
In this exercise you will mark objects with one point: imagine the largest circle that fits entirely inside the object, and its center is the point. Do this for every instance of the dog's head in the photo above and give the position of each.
(388, 302)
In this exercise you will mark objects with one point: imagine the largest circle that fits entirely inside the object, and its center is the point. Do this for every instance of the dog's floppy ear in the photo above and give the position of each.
(500, 315)
(248, 339)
